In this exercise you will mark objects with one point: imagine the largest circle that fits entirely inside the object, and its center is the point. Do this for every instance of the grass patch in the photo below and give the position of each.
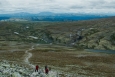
(12, 56)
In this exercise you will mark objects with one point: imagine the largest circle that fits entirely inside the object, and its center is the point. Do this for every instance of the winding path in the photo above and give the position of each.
(28, 55)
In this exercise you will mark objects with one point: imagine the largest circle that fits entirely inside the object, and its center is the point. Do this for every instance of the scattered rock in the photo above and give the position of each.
(11, 70)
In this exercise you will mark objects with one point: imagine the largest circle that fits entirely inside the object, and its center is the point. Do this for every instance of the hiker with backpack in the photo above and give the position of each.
(46, 70)
(36, 69)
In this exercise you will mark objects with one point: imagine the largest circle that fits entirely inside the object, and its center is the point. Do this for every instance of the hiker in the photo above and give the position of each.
(36, 68)
(46, 70)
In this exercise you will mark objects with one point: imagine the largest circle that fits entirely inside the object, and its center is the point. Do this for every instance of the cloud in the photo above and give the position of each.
(35, 6)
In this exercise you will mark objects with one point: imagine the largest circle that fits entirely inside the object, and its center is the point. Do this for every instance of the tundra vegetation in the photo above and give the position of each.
(61, 45)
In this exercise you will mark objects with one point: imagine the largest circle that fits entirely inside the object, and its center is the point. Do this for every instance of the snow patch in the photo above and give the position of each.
(33, 37)
(16, 33)
(27, 27)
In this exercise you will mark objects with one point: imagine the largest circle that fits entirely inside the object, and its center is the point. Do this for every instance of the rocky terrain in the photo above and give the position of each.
(14, 70)
(21, 68)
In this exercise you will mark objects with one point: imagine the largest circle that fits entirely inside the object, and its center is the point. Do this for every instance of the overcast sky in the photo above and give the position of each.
(58, 6)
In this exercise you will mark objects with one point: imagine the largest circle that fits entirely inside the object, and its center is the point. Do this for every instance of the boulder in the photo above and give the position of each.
(16, 74)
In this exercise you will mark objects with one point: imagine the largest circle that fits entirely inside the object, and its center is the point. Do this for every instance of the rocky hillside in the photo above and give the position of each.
(93, 34)
(13, 70)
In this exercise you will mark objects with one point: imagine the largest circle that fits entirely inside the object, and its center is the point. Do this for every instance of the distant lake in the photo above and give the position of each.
(101, 51)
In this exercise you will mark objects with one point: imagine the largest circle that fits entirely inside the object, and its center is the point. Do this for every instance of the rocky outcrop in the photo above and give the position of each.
(14, 70)
(95, 39)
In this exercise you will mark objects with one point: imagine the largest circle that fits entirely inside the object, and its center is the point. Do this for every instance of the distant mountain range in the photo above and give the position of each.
(49, 16)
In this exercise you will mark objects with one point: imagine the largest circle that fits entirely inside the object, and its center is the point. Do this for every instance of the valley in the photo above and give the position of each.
(60, 45)
(66, 61)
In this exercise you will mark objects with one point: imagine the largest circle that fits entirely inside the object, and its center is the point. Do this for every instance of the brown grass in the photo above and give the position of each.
(12, 56)
(13, 51)
(54, 58)
(98, 63)
(99, 59)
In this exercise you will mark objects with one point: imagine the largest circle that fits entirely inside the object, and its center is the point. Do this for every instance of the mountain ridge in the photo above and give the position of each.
(50, 16)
